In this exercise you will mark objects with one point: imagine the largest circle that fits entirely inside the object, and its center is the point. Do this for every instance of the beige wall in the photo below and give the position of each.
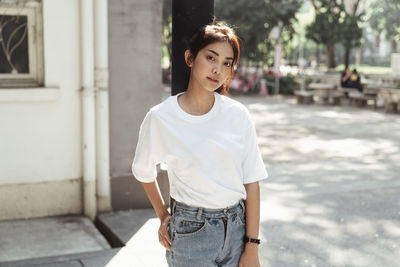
(41, 199)
(40, 133)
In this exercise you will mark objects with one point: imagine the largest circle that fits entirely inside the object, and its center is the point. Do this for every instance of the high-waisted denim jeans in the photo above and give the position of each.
(206, 237)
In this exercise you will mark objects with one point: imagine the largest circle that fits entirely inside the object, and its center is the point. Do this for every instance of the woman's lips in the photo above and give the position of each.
(213, 80)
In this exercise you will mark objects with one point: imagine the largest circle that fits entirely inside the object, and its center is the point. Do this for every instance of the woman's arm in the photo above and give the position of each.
(346, 76)
(154, 195)
(250, 254)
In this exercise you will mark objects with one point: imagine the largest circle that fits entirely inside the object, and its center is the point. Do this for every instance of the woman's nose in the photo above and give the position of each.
(216, 70)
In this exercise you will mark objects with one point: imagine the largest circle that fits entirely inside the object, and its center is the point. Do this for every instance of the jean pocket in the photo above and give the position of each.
(169, 229)
(241, 218)
(184, 227)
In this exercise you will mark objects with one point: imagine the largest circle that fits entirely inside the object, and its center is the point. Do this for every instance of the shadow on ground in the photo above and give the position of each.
(332, 196)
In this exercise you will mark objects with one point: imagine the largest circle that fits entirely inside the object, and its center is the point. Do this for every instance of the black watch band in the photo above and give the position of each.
(247, 239)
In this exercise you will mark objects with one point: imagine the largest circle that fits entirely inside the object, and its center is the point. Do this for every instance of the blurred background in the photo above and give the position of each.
(283, 37)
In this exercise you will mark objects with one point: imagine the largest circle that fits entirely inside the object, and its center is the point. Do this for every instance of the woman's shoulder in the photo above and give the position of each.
(237, 110)
(232, 105)
(161, 108)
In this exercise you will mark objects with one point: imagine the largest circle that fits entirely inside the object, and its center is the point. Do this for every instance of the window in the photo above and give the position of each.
(21, 44)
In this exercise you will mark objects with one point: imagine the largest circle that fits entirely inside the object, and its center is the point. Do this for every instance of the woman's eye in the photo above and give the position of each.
(210, 58)
(228, 64)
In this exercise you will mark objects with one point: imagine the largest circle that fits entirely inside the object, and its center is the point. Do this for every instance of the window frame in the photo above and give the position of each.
(35, 77)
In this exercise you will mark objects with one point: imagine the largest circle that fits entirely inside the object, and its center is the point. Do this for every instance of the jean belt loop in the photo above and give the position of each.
(199, 212)
(241, 202)
(173, 207)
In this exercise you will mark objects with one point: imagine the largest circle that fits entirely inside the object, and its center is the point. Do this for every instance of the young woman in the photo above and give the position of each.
(208, 141)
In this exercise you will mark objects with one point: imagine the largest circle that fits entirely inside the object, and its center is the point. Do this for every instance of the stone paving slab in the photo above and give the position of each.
(138, 231)
(43, 237)
(125, 224)
(94, 258)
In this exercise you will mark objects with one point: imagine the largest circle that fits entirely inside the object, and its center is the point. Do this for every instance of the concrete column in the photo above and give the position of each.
(135, 86)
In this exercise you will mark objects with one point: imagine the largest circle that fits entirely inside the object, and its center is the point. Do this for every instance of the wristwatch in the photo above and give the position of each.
(247, 239)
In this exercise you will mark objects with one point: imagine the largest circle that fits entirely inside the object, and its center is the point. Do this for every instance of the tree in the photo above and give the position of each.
(332, 25)
(325, 28)
(384, 17)
(254, 19)
(351, 34)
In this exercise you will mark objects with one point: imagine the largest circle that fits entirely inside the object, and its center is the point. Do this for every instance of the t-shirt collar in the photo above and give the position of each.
(197, 118)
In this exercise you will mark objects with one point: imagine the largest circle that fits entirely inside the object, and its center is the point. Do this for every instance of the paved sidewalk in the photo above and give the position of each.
(332, 198)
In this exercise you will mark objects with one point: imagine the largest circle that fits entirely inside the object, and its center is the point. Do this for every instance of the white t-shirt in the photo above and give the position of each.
(209, 157)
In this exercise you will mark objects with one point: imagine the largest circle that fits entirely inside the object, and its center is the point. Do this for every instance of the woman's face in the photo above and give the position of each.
(212, 65)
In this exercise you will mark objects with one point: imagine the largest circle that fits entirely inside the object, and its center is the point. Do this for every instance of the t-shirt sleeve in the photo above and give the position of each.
(147, 155)
(253, 166)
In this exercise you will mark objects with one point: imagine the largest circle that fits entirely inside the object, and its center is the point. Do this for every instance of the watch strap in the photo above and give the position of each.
(247, 239)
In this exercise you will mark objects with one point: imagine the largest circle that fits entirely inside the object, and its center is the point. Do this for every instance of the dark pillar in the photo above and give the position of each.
(187, 17)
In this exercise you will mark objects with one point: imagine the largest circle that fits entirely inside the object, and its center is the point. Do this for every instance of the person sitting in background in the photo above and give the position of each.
(345, 77)
(351, 79)
(354, 81)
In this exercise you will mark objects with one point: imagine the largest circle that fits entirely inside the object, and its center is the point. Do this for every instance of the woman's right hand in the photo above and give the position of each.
(163, 235)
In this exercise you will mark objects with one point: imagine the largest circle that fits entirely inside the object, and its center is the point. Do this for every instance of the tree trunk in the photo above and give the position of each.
(331, 57)
(394, 46)
(346, 57)
(317, 55)
(358, 57)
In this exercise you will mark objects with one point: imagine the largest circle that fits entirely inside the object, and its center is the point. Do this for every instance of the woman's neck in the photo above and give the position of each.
(196, 102)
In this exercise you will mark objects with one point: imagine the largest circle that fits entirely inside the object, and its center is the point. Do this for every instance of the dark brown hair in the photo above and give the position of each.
(216, 32)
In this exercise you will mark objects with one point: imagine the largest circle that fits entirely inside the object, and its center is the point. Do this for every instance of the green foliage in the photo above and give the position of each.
(384, 16)
(307, 83)
(254, 19)
(325, 28)
(287, 85)
(332, 25)
(350, 31)
(270, 83)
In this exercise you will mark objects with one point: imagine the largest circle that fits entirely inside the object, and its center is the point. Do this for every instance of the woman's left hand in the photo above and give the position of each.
(249, 258)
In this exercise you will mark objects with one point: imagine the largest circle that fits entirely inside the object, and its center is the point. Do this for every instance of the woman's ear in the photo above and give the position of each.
(188, 58)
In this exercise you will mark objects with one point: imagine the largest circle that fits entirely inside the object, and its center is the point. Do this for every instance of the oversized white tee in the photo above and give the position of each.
(209, 157)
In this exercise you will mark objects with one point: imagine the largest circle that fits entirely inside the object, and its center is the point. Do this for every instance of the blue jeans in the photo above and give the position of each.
(206, 237)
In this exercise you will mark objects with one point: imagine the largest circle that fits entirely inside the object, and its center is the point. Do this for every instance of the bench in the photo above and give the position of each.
(336, 97)
(361, 99)
(391, 98)
(304, 97)
(347, 90)
(326, 93)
